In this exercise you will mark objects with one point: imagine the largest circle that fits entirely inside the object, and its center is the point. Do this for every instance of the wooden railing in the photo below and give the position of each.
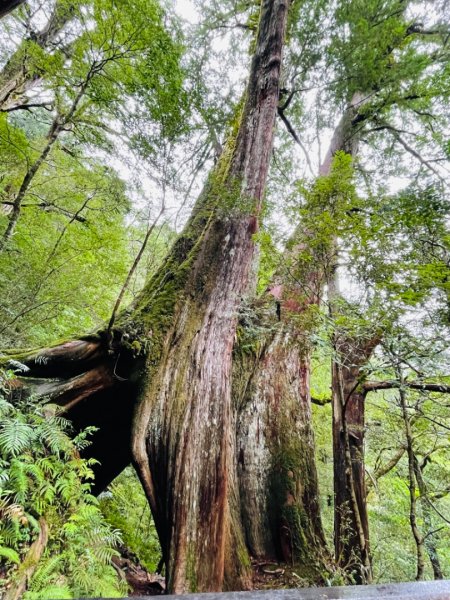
(421, 590)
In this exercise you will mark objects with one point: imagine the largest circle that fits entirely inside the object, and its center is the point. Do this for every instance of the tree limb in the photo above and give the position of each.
(320, 401)
(374, 386)
(47, 206)
(295, 136)
(385, 469)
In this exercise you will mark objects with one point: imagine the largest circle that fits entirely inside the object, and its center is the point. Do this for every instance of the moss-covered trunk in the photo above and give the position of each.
(184, 421)
(351, 523)
(276, 462)
(277, 471)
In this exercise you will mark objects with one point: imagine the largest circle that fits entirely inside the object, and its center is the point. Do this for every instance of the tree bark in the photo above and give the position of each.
(276, 460)
(184, 421)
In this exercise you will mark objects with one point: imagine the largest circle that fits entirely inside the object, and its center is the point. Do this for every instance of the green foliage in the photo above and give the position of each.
(330, 208)
(43, 476)
(392, 544)
(269, 258)
(377, 47)
(126, 508)
(64, 270)
(74, 243)
(110, 76)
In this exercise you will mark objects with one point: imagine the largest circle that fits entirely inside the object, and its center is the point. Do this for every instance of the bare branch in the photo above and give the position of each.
(295, 136)
(373, 386)
(320, 401)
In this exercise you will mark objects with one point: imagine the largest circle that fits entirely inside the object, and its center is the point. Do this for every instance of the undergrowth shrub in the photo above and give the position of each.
(42, 476)
(126, 508)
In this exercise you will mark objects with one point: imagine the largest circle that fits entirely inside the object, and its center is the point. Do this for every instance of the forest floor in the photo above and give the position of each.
(266, 575)
(141, 581)
(270, 575)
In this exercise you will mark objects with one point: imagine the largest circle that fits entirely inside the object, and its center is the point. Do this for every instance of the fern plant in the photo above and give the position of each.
(125, 507)
(43, 476)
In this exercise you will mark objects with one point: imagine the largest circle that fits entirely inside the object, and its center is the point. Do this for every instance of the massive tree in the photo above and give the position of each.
(170, 354)
(205, 389)
(278, 368)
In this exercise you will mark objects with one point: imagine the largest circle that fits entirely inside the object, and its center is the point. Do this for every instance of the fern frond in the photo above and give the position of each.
(44, 572)
(63, 592)
(19, 480)
(15, 436)
(10, 554)
(5, 407)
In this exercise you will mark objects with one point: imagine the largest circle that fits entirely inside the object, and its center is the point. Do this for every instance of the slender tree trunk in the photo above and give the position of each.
(351, 526)
(351, 523)
(29, 176)
(418, 538)
(58, 125)
(429, 538)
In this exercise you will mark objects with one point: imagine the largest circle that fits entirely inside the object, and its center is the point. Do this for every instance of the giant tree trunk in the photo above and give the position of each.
(277, 473)
(170, 354)
(184, 422)
(276, 461)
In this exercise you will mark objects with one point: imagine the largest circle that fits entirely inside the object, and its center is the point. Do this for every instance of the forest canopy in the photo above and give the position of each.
(225, 294)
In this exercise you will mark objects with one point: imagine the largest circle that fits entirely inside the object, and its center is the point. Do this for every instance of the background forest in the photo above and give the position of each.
(111, 116)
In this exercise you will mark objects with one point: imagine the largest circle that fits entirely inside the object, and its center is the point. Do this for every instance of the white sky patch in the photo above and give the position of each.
(187, 11)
